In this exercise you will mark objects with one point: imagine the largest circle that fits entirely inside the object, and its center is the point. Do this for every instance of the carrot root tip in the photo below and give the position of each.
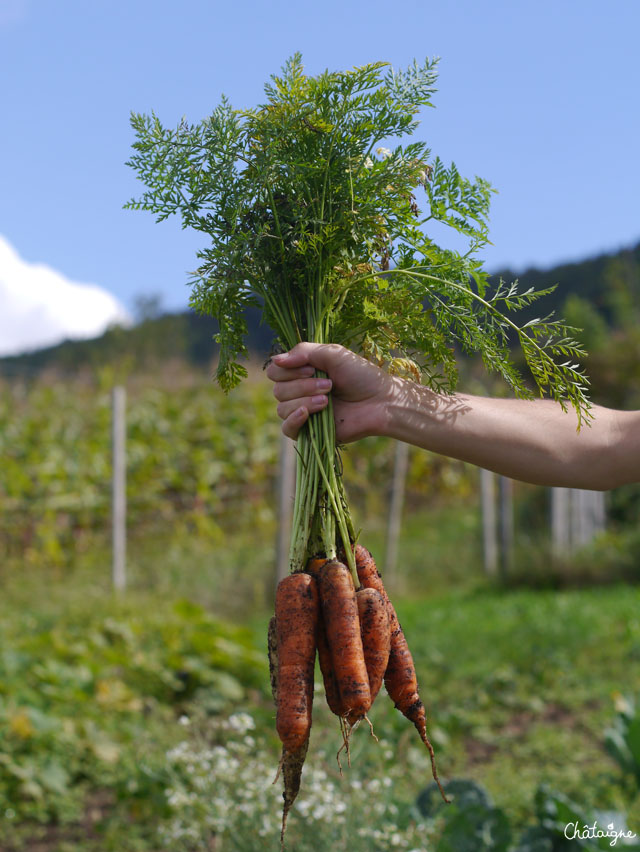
(370, 724)
(279, 770)
(434, 770)
(345, 729)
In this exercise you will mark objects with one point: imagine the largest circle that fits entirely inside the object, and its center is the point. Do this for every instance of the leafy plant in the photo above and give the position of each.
(474, 823)
(79, 690)
(471, 824)
(564, 825)
(622, 739)
(311, 217)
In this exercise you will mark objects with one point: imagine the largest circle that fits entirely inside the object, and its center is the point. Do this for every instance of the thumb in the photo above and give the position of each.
(316, 354)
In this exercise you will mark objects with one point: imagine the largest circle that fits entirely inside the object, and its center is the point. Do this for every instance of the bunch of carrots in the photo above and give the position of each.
(359, 642)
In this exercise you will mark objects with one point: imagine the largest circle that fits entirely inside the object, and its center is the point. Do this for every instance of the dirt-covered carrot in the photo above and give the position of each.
(314, 566)
(400, 677)
(292, 764)
(272, 653)
(296, 630)
(340, 614)
(332, 695)
(292, 760)
(376, 637)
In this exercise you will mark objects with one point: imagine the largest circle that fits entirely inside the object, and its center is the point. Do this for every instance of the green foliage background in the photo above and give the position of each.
(521, 685)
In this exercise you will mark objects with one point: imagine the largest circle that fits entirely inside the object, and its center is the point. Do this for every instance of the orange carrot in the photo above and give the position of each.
(400, 677)
(291, 762)
(314, 566)
(340, 613)
(296, 629)
(376, 637)
(272, 651)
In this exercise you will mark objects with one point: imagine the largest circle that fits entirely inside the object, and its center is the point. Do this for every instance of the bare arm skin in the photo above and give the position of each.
(533, 441)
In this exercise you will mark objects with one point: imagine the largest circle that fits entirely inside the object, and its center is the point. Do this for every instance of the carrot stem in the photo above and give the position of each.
(321, 517)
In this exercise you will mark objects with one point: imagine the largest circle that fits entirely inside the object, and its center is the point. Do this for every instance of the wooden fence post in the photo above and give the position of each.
(119, 487)
(505, 491)
(587, 516)
(560, 526)
(394, 521)
(599, 509)
(489, 526)
(286, 493)
(577, 516)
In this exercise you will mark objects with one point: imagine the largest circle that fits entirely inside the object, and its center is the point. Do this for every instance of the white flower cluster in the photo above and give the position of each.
(241, 723)
(227, 791)
(217, 788)
(321, 799)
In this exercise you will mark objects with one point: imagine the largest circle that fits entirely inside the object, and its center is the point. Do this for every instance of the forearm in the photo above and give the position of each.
(532, 441)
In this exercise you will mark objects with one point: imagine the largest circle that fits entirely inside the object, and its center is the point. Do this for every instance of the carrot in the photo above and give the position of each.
(314, 566)
(376, 637)
(272, 652)
(296, 629)
(340, 613)
(292, 763)
(296, 609)
(400, 677)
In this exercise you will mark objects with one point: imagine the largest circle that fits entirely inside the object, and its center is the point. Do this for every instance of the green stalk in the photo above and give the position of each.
(320, 510)
(333, 495)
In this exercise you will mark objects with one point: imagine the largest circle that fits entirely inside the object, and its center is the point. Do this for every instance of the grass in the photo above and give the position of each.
(519, 685)
(522, 685)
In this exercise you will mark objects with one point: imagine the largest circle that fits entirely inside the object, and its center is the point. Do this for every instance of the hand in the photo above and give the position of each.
(359, 389)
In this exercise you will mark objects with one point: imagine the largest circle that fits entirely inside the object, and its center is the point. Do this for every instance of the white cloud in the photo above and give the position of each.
(40, 307)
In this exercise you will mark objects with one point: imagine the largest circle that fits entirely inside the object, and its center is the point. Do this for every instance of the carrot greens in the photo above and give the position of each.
(315, 212)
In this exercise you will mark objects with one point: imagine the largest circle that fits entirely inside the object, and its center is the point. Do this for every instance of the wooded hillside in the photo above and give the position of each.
(600, 295)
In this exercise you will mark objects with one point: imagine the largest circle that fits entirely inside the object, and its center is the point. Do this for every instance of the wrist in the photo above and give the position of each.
(407, 411)
(391, 410)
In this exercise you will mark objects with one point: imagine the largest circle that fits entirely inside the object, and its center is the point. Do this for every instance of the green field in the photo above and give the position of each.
(145, 722)
(520, 687)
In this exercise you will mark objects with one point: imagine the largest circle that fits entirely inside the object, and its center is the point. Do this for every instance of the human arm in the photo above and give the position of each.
(530, 440)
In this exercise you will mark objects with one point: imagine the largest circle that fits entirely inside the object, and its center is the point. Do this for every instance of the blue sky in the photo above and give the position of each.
(541, 98)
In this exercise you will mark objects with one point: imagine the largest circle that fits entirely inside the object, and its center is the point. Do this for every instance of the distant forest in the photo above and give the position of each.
(600, 295)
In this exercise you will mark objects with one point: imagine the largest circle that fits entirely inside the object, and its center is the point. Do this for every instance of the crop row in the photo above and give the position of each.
(192, 453)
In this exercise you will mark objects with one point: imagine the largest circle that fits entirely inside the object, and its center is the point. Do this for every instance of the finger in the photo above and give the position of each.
(299, 388)
(286, 374)
(296, 357)
(310, 403)
(317, 354)
(294, 421)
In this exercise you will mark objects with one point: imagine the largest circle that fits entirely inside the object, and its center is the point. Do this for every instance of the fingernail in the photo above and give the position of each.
(300, 412)
(323, 384)
(319, 400)
(282, 356)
